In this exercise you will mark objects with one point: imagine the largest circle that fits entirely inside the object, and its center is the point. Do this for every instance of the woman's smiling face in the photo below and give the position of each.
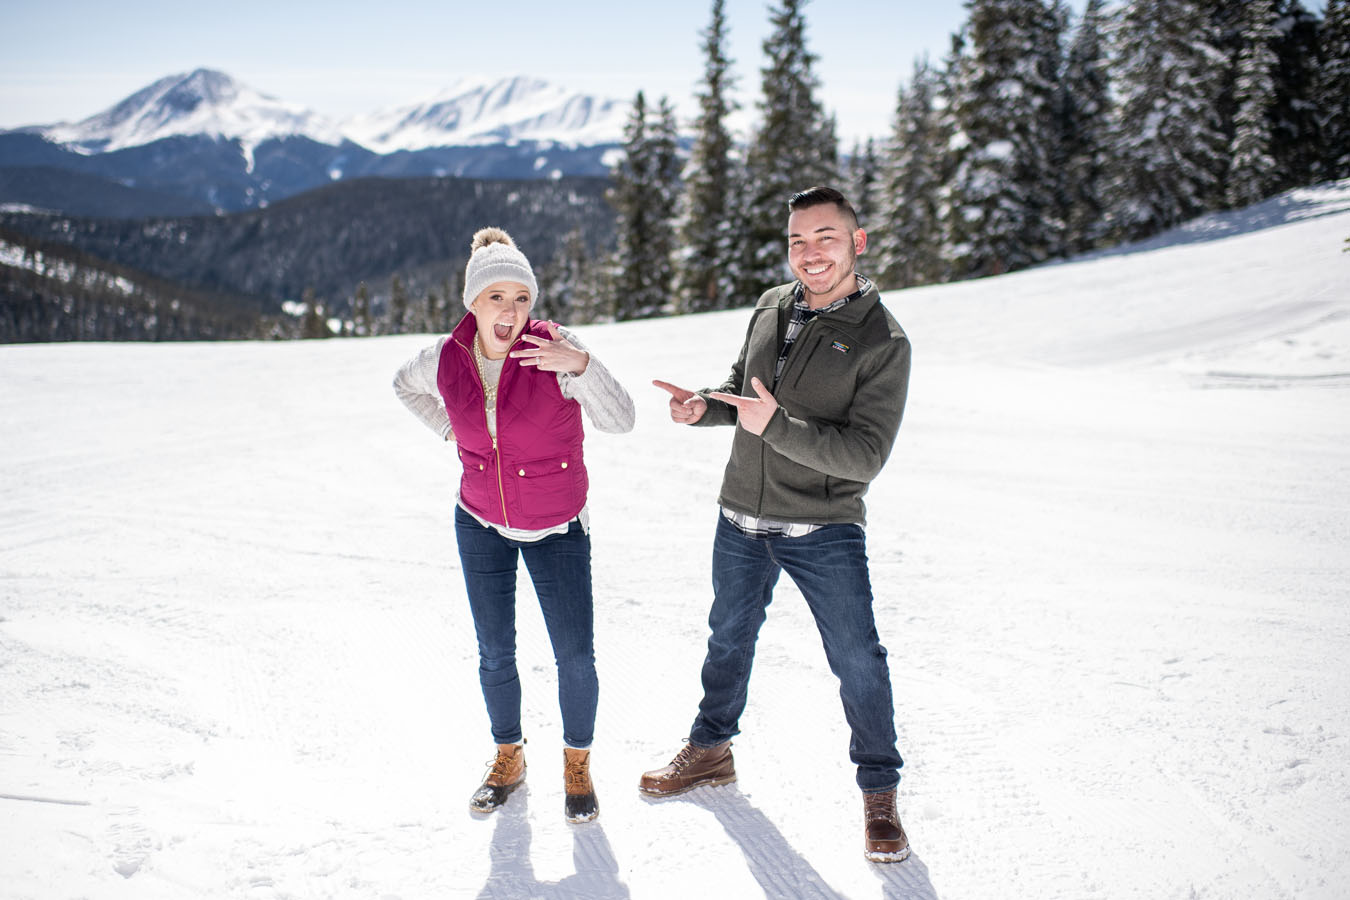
(501, 310)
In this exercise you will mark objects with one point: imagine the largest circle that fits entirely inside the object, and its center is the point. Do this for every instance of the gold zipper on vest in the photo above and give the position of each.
(496, 454)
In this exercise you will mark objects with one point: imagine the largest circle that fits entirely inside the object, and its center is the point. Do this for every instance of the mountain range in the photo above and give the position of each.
(203, 142)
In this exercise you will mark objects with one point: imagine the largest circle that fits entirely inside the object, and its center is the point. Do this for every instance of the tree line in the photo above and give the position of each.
(1038, 136)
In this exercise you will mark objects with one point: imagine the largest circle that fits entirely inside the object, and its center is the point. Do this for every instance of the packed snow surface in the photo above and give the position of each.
(1109, 556)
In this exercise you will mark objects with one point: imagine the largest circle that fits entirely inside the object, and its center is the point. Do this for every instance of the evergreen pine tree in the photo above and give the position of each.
(1251, 172)
(865, 182)
(908, 231)
(361, 324)
(1004, 197)
(314, 325)
(666, 187)
(1295, 137)
(793, 148)
(644, 195)
(1169, 148)
(1085, 111)
(396, 319)
(707, 261)
(1333, 89)
(563, 283)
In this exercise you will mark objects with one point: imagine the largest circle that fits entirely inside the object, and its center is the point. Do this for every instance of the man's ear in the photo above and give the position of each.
(859, 242)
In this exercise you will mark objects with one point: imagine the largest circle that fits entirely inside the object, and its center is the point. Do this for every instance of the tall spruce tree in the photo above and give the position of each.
(1004, 196)
(864, 182)
(1251, 173)
(793, 147)
(666, 188)
(1169, 146)
(315, 325)
(361, 321)
(1295, 136)
(1085, 111)
(705, 273)
(908, 232)
(643, 196)
(1333, 89)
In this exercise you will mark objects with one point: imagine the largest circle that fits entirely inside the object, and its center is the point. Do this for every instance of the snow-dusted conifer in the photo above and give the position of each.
(1004, 189)
(1333, 89)
(643, 196)
(1251, 173)
(1295, 138)
(1085, 112)
(792, 148)
(708, 254)
(908, 230)
(863, 182)
(1169, 148)
(361, 322)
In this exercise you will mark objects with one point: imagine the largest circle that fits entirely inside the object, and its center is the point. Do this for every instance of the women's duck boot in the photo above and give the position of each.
(507, 773)
(581, 805)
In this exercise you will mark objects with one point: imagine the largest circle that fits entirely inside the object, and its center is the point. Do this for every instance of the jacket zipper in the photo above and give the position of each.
(496, 455)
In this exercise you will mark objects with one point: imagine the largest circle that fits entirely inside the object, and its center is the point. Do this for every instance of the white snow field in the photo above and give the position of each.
(1111, 558)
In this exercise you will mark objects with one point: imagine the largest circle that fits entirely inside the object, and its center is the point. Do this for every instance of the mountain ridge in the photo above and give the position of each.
(472, 111)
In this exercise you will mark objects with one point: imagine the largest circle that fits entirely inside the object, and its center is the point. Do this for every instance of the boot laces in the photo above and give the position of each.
(576, 773)
(879, 806)
(501, 766)
(688, 755)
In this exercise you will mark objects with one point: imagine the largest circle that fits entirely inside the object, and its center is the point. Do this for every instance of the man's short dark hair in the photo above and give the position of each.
(818, 196)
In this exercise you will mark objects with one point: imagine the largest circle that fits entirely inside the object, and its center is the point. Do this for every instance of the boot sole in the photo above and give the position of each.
(710, 782)
(880, 857)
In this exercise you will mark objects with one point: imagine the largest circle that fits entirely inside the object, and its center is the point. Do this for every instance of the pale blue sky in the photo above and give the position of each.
(68, 59)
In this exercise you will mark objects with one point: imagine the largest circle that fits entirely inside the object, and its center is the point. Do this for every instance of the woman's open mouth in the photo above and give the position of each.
(502, 332)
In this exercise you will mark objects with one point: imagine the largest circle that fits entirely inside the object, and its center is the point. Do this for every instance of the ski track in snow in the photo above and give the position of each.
(1108, 557)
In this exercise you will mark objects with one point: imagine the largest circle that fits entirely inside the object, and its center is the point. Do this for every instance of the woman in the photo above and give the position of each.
(510, 390)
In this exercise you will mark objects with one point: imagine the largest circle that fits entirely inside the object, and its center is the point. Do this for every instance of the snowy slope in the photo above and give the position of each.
(1108, 553)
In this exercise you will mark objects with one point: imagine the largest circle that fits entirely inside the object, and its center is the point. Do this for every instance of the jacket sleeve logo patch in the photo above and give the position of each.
(840, 346)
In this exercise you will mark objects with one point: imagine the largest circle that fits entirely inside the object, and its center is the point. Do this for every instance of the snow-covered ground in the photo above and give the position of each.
(1110, 558)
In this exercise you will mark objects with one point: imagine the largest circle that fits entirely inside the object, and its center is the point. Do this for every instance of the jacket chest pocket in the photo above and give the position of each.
(820, 377)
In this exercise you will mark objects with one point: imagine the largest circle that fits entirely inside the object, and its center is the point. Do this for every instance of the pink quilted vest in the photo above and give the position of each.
(532, 475)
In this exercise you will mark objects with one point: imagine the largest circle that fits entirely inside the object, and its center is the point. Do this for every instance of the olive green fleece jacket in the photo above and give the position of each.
(840, 402)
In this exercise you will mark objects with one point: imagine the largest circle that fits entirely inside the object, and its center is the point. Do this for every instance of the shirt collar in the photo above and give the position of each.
(799, 297)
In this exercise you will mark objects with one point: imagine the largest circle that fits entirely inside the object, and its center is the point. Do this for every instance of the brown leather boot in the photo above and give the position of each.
(884, 837)
(580, 802)
(507, 773)
(692, 767)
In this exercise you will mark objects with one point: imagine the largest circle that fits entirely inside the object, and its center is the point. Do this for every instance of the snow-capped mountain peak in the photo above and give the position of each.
(472, 112)
(477, 111)
(203, 102)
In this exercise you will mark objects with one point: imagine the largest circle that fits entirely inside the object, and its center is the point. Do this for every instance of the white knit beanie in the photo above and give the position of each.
(494, 257)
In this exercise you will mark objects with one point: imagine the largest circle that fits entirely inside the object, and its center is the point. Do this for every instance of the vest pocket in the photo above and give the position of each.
(551, 486)
(476, 485)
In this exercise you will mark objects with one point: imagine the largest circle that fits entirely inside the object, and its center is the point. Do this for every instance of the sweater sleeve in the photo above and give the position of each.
(859, 448)
(415, 385)
(606, 401)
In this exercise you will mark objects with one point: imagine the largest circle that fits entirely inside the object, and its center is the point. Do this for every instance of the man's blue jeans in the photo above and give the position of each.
(560, 567)
(829, 566)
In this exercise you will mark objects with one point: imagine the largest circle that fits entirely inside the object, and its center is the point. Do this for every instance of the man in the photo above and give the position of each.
(817, 394)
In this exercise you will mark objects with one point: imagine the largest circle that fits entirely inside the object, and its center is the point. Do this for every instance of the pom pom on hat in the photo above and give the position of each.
(494, 257)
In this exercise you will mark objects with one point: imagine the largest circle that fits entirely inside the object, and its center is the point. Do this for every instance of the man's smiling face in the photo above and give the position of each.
(823, 246)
